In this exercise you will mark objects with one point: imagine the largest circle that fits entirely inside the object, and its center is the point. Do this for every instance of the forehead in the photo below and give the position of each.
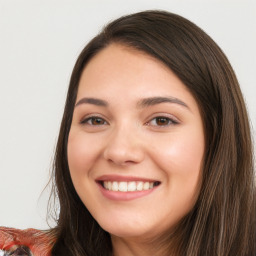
(118, 71)
(115, 58)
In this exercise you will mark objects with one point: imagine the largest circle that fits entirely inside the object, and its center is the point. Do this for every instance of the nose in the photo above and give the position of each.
(124, 147)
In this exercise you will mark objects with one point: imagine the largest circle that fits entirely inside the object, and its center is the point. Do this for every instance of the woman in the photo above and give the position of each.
(154, 155)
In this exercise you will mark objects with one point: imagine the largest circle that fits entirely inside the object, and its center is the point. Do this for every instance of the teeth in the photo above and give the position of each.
(130, 186)
(139, 185)
(122, 186)
(105, 184)
(115, 186)
(146, 186)
(109, 185)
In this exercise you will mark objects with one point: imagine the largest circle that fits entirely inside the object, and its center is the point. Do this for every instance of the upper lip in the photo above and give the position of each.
(123, 178)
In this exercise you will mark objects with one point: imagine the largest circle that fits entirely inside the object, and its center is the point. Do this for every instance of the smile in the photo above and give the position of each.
(120, 188)
(129, 186)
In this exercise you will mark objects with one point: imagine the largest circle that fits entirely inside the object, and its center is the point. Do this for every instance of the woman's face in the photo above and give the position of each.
(136, 144)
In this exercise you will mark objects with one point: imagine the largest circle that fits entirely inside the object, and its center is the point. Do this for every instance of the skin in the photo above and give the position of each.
(130, 140)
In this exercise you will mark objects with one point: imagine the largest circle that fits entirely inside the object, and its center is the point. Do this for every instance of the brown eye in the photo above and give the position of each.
(162, 121)
(94, 121)
(97, 121)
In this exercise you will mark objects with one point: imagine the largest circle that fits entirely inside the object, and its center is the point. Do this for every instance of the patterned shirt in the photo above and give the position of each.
(29, 242)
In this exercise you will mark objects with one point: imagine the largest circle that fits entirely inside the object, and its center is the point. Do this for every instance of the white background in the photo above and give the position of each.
(39, 43)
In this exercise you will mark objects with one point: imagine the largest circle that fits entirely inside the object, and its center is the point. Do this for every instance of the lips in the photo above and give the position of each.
(125, 188)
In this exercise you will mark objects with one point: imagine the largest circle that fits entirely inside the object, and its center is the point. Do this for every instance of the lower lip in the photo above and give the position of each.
(124, 196)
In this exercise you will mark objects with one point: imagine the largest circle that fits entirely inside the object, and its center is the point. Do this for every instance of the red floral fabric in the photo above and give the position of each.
(29, 242)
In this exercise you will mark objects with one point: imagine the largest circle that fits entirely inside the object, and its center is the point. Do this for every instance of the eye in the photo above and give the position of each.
(94, 120)
(162, 121)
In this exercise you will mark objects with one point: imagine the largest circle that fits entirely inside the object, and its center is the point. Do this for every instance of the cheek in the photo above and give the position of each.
(181, 156)
(82, 153)
(188, 154)
(181, 152)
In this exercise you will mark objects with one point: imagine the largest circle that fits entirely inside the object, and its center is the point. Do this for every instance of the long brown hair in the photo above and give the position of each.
(222, 221)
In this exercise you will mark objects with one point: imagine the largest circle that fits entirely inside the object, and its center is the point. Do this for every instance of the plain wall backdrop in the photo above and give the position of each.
(39, 43)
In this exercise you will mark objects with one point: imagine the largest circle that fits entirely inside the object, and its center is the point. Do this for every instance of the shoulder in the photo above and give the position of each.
(30, 242)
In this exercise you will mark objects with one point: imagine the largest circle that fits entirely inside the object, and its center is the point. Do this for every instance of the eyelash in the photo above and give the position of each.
(100, 121)
(170, 121)
(89, 120)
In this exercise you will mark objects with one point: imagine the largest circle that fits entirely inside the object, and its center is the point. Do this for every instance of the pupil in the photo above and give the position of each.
(97, 121)
(162, 121)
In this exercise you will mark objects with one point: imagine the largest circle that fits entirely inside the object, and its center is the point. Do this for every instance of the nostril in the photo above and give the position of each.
(122, 153)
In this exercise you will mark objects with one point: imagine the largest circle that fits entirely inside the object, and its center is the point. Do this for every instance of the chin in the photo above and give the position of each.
(125, 233)
(128, 229)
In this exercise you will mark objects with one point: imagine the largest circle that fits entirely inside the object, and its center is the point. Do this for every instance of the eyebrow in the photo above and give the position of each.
(157, 100)
(93, 101)
(147, 102)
